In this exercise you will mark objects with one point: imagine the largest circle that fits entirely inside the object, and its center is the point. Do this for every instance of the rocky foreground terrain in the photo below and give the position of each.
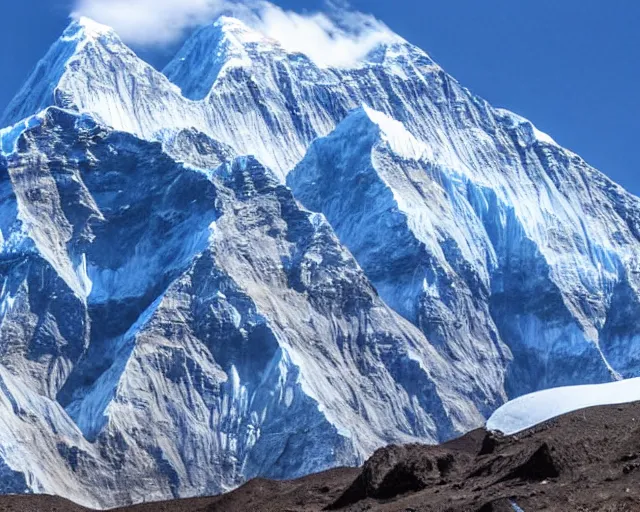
(585, 461)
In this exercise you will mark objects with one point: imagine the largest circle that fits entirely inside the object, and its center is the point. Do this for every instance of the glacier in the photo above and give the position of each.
(249, 265)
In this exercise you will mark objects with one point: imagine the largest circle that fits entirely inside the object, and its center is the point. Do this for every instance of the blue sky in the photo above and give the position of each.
(571, 66)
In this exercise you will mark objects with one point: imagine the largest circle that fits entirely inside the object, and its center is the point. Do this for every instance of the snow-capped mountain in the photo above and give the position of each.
(517, 279)
(192, 327)
(251, 265)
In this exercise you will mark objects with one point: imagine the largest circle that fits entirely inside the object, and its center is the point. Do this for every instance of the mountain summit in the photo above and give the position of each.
(250, 265)
(214, 49)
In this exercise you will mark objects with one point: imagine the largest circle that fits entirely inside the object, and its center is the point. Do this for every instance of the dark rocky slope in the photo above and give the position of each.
(585, 461)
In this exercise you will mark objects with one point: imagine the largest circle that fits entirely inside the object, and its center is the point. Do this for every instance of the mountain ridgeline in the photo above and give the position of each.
(249, 265)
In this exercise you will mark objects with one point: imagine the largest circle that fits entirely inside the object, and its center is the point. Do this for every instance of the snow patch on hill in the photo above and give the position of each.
(530, 410)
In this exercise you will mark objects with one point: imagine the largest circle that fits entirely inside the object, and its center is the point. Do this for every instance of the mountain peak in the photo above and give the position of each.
(237, 28)
(226, 44)
(83, 27)
(87, 62)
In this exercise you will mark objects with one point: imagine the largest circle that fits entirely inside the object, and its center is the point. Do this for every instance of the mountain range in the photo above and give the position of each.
(252, 265)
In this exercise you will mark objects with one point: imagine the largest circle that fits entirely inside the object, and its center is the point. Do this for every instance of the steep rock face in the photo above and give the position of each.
(42, 449)
(222, 332)
(536, 268)
(426, 252)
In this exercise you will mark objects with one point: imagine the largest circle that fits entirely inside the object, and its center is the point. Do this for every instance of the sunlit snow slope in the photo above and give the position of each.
(531, 410)
(249, 265)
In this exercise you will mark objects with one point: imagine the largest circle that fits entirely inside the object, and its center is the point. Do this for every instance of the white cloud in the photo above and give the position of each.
(319, 37)
(149, 22)
(161, 22)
